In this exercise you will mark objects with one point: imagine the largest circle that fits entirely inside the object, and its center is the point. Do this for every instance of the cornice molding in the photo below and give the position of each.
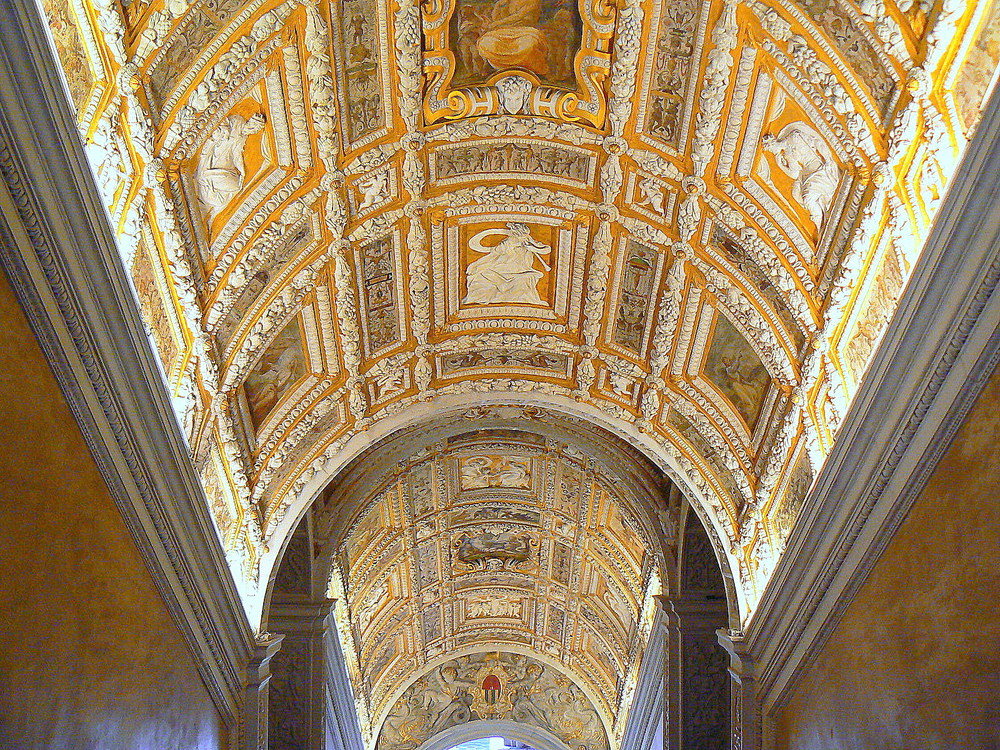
(60, 255)
(939, 349)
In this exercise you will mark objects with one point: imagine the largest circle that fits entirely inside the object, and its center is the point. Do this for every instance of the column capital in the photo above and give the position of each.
(742, 662)
(693, 612)
(265, 647)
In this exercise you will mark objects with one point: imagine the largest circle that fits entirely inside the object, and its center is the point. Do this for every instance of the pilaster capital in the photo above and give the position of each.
(692, 612)
(300, 614)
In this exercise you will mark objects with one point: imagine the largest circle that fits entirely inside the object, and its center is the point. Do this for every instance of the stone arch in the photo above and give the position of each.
(510, 648)
(534, 737)
(322, 472)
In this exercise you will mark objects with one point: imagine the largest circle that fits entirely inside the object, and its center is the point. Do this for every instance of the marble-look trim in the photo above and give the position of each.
(941, 345)
(60, 255)
(645, 719)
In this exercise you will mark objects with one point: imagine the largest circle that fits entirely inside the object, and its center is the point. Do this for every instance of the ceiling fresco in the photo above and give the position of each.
(496, 542)
(690, 219)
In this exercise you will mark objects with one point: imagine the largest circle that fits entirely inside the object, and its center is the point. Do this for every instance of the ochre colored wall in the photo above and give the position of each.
(915, 663)
(89, 656)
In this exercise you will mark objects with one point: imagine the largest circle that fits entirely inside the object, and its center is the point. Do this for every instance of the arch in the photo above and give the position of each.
(322, 472)
(534, 737)
(507, 647)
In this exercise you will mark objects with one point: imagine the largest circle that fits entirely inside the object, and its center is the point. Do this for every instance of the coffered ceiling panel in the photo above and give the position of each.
(691, 220)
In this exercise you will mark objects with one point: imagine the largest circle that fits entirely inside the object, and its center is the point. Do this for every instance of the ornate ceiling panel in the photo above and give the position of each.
(691, 218)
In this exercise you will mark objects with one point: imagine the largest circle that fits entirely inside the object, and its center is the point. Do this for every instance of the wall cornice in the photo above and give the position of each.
(940, 347)
(60, 255)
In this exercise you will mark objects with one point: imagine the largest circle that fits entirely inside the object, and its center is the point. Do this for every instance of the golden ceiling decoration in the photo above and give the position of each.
(495, 541)
(689, 219)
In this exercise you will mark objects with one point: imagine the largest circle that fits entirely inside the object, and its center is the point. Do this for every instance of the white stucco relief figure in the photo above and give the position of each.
(489, 605)
(652, 194)
(802, 154)
(506, 273)
(221, 169)
(373, 189)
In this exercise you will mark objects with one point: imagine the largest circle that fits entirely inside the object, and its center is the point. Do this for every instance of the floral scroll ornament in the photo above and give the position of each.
(547, 58)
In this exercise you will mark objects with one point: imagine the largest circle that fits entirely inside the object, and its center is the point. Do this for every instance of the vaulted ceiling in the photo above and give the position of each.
(496, 545)
(686, 220)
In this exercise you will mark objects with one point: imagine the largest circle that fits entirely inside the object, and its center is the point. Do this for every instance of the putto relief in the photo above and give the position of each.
(540, 57)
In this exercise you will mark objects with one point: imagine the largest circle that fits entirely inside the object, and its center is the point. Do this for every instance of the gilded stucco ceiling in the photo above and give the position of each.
(690, 220)
(495, 542)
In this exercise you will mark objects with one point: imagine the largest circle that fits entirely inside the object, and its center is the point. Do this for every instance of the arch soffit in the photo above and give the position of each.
(534, 737)
(414, 418)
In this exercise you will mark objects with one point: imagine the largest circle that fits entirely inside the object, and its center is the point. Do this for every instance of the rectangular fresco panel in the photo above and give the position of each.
(359, 34)
(632, 314)
(736, 370)
(540, 36)
(282, 364)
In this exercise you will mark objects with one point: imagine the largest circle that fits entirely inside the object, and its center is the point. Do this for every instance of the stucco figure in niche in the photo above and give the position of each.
(540, 36)
(802, 154)
(281, 365)
(736, 370)
(506, 272)
(222, 167)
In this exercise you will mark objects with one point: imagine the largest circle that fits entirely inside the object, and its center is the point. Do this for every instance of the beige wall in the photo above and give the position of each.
(89, 657)
(915, 663)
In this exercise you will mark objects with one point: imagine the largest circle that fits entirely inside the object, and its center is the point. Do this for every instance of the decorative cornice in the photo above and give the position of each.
(940, 347)
(60, 255)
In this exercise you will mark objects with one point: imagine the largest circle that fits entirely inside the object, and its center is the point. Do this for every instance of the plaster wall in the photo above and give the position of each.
(915, 663)
(89, 657)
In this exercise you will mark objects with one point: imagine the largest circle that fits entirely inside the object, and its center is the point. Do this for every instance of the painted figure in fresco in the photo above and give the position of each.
(536, 35)
(221, 168)
(511, 37)
(479, 472)
(489, 551)
(802, 154)
(506, 272)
